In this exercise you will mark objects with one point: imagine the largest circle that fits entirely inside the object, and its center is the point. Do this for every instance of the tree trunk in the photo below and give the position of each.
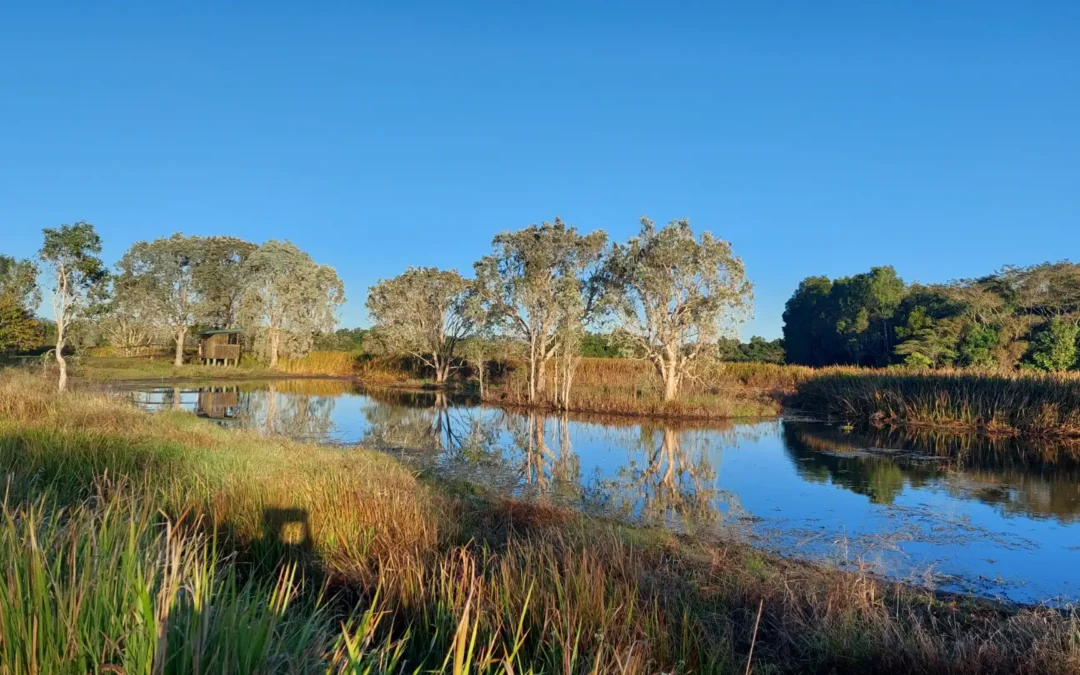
(541, 370)
(442, 369)
(667, 363)
(532, 371)
(275, 338)
(671, 386)
(669, 372)
(61, 385)
(480, 376)
(178, 358)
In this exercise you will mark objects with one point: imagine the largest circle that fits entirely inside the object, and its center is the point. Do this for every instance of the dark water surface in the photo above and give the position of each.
(997, 517)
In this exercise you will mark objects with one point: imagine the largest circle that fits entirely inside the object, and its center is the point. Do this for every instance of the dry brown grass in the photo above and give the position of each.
(1026, 403)
(632, 387)
(320, 363)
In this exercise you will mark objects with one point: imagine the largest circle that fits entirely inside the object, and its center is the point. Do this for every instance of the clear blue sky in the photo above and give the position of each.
(818, 137)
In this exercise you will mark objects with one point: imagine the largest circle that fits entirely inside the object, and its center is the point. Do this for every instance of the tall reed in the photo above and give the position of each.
(320, 363)
(1020, 403)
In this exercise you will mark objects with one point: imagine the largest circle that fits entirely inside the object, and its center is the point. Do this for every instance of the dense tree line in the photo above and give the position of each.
(1018, 317)
(164, 290)
(757, 350)
(665, 295)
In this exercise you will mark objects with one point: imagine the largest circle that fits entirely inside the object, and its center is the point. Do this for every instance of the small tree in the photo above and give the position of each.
(71, 253)
(676, 295)
(425, 312)
(530, 280)
(288, 298)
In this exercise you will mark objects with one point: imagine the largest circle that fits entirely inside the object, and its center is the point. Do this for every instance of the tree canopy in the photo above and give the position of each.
(1018, 316)
(177, 282)
(676, 295)
(425, 312)
(158, 278)
(287, 299)
(538, 285)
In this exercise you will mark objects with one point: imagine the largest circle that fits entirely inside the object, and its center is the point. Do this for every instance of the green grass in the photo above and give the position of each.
(149, 543)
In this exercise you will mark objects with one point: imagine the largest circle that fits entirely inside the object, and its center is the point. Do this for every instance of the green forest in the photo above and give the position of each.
(1017, 317)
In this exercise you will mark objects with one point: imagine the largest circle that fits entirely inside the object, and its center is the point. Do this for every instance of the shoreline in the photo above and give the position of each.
(957, 428)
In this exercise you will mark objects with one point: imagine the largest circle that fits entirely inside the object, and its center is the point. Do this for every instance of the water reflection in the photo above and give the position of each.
(1001, 513)
(220, 404)
(822, 454)
(668, 479)
(1020, 477)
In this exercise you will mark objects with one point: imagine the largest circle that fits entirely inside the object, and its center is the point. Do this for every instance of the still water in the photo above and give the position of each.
(1000, 518)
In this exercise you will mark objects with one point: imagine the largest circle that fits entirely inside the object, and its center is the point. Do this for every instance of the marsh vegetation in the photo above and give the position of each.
(163, 542)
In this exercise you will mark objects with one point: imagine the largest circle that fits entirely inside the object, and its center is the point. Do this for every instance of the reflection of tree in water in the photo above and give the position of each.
(666, 480)
(882, 479)
(302, 416)
(428, 422)
(1019, 476)
(547, 465)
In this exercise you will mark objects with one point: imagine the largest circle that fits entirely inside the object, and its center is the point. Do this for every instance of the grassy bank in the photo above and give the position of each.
(143, 544)
(1022, 403)
(632, 387)
(100, 368)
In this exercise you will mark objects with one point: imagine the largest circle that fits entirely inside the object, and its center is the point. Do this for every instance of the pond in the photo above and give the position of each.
(996, 517)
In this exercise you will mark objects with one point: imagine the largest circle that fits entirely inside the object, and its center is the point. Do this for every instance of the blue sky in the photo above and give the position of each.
(819, 138)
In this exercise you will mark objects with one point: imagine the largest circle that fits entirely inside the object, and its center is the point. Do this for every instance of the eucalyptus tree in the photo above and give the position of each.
(287, 298)
(427, 313)
(159, 277)
(71, 254)
(676, 295)
(537, 283)
(177, 282)
(219, 279)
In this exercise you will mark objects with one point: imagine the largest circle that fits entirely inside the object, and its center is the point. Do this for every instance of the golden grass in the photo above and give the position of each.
(632, 387)
(1025, 403)
(422, 576)
(320, 363)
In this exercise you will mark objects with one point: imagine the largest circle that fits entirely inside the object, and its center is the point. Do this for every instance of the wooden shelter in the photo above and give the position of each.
(220, 347)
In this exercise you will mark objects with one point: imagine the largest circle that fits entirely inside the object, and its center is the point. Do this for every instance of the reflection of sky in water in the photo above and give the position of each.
(985, 524)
